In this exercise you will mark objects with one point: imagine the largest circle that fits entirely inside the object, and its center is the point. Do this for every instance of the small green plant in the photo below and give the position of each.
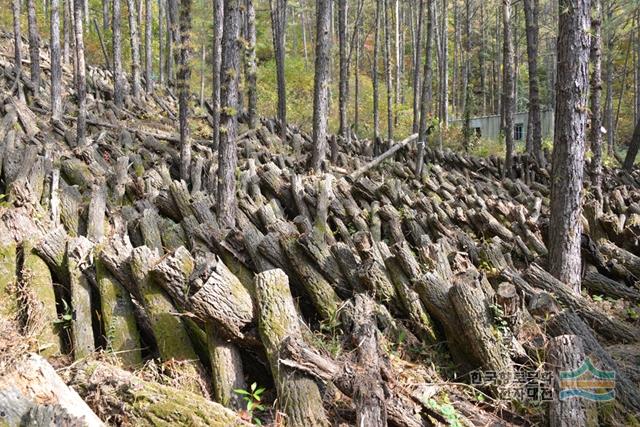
(597, 298)
(633, 313)
(253, 397)
(447, 410)
(65, 319)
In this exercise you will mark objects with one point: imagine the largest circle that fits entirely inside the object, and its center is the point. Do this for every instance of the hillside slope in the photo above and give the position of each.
(386, 296)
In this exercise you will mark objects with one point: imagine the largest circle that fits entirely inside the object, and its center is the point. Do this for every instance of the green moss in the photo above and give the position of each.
(8, 280)
(36, 278)
(123, 338)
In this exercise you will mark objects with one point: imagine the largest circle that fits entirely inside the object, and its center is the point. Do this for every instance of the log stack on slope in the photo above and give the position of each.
(338, 292)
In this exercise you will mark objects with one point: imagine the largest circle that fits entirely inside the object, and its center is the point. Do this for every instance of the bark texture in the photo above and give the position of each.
(565, 225)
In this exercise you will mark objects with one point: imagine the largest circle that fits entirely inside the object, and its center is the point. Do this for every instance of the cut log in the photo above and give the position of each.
(483, 338)
(368, 393)
(39, 302)
(218, 296)
(607, 326)
(566, 353)
(569, 323)
(169, 332)
(116, 308)
(32, 393)
(384, 156)
(298, 394)
(120, 396)
(79, 253)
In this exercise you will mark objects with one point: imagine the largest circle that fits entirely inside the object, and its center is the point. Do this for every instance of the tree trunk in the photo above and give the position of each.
(565, 225)
(566, 353)
(17, 42)
(279, 25)
(387, 69)
(508, 104)
(397, 60)
(227, 156)
(67, 31)
(376, 85)
(251, 66)
(444, 72)
(34, 45)
(184, 79)
(173, 39)
(321, 83)
(148, 51)
(595, 133)
(56, 66)
(344, 70)
(356, 77)
(634, 145)
(81, 90)
(608, 108)
(105, 15)
(118, 78)
(135, 48)
(298, 394)
(534, 131)
(161, 58)
(425, 106)
(216, 61)
(417, 106)
(203, 60)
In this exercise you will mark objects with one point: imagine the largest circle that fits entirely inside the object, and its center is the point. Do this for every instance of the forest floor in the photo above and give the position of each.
(423, 300)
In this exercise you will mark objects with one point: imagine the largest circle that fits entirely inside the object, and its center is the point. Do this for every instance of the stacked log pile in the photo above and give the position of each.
(104, 248)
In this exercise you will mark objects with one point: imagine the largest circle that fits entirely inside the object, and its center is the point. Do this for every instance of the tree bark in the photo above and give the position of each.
(425, 106)
(251, 66)
(17, 41)
(118, 78)
(145, 403)
(227, 156)
(344, 70)
(387, 68)
(595, 83)
(417, 106)
(566, 353)
(148, 51)
(161, 58)
(279, 25)
(321, 83)
(56, 66)
(534, 131)
(184, 91)
(374, 78)
(81, 90)
(634, 145)
(134, 38)
(216, 61)
(508, 103)
(565, 225)
(34, 45)
(298, 394)
(444, 72)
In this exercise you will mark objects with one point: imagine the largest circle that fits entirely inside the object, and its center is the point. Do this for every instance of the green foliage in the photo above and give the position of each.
(446, 409)
(66, 318)
(252, 397)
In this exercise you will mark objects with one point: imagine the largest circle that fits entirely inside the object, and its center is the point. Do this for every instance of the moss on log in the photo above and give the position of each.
(298, 394)
(121, 330)
(40, 302)
(122, 398)
(81, 330)
(169, 331)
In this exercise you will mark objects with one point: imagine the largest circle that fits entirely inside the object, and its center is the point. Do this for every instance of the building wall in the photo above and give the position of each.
(490, 125)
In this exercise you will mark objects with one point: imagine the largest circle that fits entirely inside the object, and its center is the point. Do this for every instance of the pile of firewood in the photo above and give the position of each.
(103, 248)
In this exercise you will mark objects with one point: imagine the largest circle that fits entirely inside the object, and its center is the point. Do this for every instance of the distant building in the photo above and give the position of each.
(489, 126)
